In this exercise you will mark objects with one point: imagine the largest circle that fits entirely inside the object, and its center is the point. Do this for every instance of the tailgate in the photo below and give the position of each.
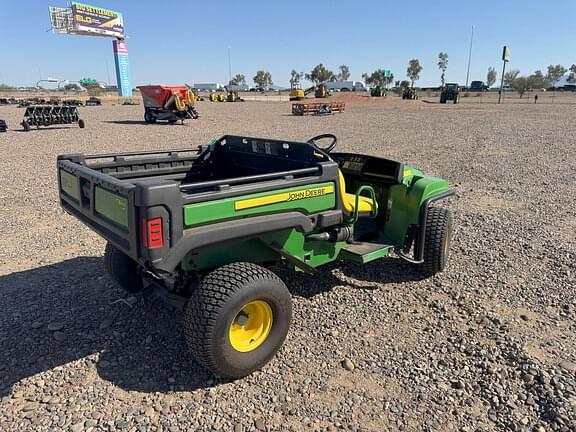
(101, 201)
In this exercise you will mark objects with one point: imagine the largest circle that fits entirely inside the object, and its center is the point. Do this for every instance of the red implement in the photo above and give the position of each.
(158, 96)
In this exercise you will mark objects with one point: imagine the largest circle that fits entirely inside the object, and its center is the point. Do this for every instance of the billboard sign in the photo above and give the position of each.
(123, 78)
(93, 20)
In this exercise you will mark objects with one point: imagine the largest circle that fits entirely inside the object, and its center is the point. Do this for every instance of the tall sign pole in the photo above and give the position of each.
(123, 78)
(469, 57)
(505, 59)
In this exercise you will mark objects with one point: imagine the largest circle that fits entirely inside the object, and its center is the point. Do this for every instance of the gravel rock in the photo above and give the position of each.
(59, 336)
(55, 326)
(569, 366)
(447, 352)
(348, 365)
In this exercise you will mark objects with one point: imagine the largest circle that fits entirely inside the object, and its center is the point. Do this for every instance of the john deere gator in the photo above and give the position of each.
(201, 227)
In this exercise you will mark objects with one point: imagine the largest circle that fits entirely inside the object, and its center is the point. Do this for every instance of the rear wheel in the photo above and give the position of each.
(26, 126)
(237, 319)
(437, 240)
(149, 117)
(122, 269)
(81, 124)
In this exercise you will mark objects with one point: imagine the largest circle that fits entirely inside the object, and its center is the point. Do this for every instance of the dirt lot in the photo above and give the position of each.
(488, 345)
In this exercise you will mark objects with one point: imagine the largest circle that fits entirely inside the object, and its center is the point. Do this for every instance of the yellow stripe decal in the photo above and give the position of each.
(283, 197)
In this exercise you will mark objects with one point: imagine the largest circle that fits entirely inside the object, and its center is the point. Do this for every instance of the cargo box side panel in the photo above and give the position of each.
(306, 199)
(111, 206)
(100, 201)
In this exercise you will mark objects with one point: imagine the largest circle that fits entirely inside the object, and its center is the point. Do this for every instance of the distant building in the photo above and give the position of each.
(208, 86)
(241, 87)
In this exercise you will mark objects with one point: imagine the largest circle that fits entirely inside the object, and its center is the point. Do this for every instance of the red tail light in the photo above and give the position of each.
(152, 235)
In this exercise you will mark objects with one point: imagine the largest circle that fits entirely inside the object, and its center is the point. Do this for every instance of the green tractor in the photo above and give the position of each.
(321, 91)
(450, 92)
(378, 91)
(409, 93)
(202, 227)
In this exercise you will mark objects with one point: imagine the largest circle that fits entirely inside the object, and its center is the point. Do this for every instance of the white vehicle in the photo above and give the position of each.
(210, 87)
(343, 86)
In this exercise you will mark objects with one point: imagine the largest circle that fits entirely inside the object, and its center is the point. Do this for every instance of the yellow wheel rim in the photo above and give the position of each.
(251, 326)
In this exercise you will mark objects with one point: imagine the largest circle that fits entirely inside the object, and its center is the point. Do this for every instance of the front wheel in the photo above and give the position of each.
(437, 240)
(237, 319)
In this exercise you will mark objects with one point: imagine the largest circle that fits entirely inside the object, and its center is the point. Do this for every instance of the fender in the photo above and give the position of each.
(408, 203)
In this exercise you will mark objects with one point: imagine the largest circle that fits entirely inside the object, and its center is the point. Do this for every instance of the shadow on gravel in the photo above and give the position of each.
(68, 312)
(142, 122)
(71, 312)
(45, 128)
(368, 276)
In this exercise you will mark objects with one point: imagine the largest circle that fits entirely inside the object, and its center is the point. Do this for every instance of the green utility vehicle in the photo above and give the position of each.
(450, 92)
(200, 227)
(409, 93)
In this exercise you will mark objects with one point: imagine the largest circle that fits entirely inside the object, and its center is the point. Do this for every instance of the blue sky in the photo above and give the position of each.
(173, 41)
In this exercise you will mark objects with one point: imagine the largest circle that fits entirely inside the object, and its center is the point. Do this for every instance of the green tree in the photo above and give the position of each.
(344, 73)
(443, 65)
(377, 79)
(6, 87)
(520, 84)
(263, 79)
(538, 81)
(413, 71)
(238, 79)
(320, 74)
(555, 72)
(295, 78)
(491, 77)
(511, 76)
(572, 77)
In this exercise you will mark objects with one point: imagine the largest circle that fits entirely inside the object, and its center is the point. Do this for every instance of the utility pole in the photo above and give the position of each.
(469, 56)
(107, 73)
(229, 67)
(505, 59)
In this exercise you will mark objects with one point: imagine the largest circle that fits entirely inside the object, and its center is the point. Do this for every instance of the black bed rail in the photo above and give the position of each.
(253, 178)
(123, 157)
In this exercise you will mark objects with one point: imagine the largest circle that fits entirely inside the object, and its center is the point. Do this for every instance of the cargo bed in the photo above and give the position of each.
(115, 194)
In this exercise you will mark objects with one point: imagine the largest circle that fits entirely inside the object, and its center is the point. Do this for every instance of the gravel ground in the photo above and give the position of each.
(488, 345)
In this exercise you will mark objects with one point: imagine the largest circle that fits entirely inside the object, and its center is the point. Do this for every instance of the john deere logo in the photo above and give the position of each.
(307, 193)
(284, 197)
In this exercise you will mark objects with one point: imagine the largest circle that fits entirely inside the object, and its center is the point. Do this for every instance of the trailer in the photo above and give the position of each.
(168, 103)
(317, 108)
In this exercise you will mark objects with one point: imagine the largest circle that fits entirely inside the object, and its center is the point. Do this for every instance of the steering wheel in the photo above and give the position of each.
(326, 149)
